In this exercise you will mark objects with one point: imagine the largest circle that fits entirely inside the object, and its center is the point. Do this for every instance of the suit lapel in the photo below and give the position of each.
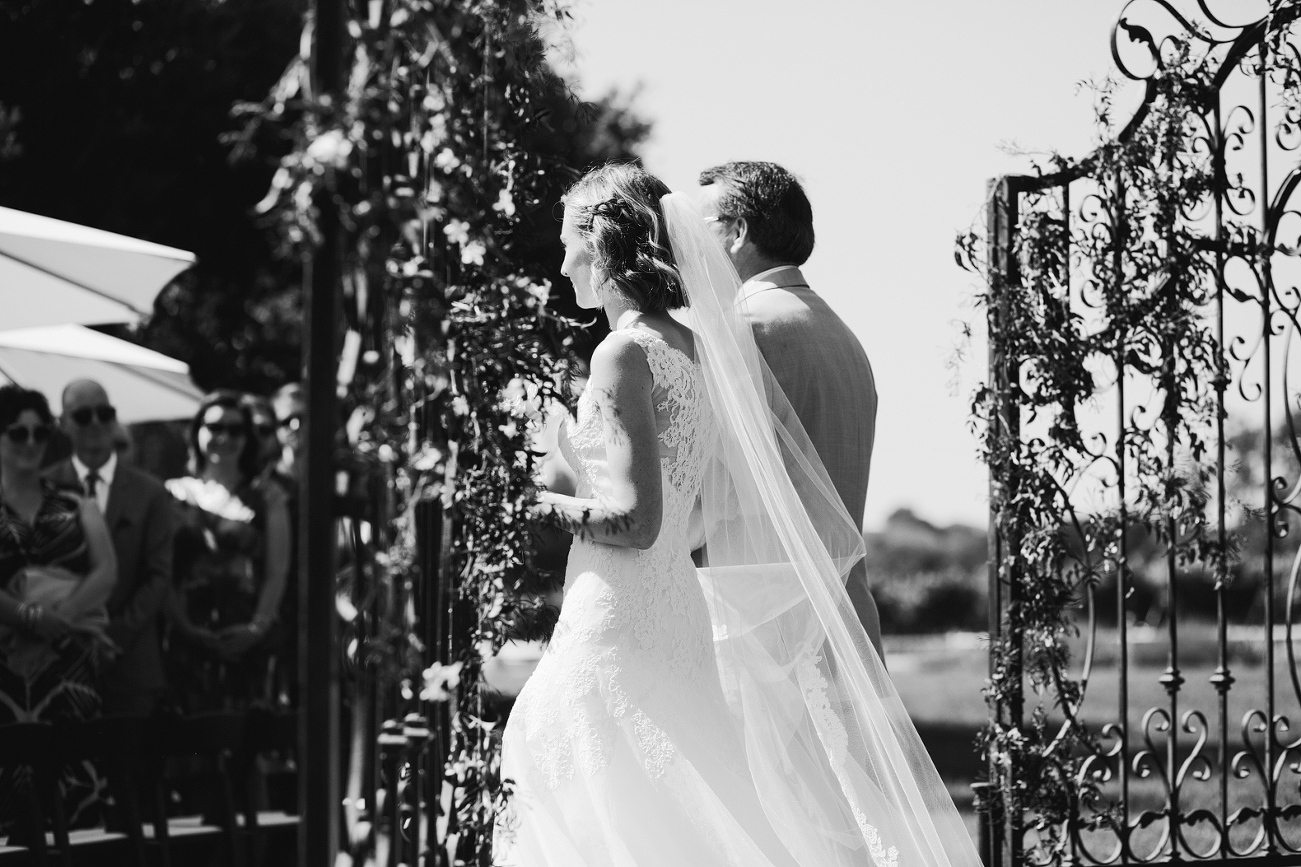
(118, 495)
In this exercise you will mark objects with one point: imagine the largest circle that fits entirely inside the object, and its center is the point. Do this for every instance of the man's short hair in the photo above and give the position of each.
(778, 214)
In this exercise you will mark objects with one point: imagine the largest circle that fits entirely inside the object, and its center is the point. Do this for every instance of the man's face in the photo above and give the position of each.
(88, 420)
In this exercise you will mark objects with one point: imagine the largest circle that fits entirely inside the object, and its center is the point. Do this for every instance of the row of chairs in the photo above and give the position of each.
(219, 758)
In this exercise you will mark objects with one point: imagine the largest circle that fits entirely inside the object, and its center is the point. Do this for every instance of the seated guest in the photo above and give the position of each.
(264, 432)
(57, 571)
(139, 515)
(232, 555)
(290, 405)
(276, 489)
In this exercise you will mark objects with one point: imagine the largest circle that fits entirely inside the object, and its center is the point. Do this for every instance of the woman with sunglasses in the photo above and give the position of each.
(264, 432)
(232, 556)
(57, 569)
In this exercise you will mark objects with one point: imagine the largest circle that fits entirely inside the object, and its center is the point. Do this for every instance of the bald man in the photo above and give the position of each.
(138, 511)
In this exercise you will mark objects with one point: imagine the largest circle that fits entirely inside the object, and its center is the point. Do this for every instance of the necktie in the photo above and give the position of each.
(92, 485)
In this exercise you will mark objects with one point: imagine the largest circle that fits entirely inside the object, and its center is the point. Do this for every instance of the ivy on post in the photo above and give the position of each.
(1082, 300)
(450, 354)
(318, 723)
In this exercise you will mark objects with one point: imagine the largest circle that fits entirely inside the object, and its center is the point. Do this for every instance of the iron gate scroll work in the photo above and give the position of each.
(1142, 423)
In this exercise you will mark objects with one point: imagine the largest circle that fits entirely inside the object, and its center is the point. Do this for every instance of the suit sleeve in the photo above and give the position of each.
(785, 371)
(156, 565)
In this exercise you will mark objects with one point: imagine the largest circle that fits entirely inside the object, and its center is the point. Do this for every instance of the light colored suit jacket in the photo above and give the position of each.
(825, 374)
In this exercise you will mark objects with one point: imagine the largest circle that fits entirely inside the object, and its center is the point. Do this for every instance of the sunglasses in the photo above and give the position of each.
(104, 413)
(19, 434)
(221, 428)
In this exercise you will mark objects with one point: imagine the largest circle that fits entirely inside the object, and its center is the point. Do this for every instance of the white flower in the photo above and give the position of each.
(446, 160)
(540, 291)
(472, 253)
(211, 497)
(303, 196)
(331, 148)
(460, 405)
(440, 680)
(510, 429)
(279, 183)
(457, 231)
(516, 390)
(505, 204)
(427, 459)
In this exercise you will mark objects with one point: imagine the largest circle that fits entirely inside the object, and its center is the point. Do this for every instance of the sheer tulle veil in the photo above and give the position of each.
(840, 769)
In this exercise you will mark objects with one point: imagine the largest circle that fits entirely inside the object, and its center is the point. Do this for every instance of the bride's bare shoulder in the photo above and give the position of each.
(619, 360)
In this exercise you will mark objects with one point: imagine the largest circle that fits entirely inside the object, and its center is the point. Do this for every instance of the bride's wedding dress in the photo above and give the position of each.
(734, 714)
(621, 745)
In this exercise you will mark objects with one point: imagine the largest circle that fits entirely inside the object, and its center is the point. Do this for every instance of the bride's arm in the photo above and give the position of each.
(552, 471)
(630, 515)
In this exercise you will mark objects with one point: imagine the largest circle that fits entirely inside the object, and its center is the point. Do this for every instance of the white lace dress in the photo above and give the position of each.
(621, 746)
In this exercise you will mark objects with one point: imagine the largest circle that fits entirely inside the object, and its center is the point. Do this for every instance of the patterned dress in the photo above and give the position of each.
(42, 682)
(220, 552)
(621, 748)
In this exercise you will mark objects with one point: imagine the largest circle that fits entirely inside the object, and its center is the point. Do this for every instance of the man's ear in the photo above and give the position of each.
(742, 230)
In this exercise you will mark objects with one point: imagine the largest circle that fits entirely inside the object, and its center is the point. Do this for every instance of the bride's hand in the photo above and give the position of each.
(542, 511)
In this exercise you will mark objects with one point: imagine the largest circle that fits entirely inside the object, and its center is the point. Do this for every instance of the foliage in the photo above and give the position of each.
(116, 114)
(926, 578)
(451, 346)
(119, 107)
(1082, 306)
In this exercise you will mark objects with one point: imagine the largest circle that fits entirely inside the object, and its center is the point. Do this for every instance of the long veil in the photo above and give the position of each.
(839, 767)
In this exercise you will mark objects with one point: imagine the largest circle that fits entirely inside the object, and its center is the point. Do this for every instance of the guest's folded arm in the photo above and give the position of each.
(95, 588)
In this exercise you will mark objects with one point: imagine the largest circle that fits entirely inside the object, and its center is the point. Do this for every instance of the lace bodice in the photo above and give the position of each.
(634, 630)
(680, 426)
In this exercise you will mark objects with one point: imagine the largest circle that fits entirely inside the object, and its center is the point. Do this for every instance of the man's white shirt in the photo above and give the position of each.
(105, 474)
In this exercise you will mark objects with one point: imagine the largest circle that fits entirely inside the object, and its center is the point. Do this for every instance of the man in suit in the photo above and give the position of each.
(761, 215)
(138, 511)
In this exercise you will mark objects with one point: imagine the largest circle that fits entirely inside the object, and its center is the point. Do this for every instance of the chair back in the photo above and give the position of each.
(28, 762)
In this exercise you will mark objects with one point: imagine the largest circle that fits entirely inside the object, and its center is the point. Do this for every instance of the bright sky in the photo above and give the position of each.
(894, 115)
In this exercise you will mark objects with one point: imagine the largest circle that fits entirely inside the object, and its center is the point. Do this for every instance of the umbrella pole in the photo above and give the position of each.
(318, 733)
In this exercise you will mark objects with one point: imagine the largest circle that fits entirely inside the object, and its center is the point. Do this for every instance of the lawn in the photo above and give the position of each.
(941, 684)
(940, 680)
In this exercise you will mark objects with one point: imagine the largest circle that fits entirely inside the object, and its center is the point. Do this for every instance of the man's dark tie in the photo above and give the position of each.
(92, 485)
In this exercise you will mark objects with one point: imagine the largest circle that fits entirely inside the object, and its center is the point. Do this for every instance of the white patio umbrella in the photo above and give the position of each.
(53, 272)
(144, 385)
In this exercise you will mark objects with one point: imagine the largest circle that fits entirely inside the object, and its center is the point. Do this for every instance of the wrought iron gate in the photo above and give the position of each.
(1174, 733)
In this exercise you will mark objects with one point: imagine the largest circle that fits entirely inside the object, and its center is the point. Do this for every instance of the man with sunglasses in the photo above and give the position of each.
(138, 511)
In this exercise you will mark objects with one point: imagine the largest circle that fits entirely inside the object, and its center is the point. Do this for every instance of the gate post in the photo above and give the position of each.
(318, 666)
(1001, 828)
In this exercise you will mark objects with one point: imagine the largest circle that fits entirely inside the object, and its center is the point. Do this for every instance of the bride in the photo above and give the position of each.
(732, 714)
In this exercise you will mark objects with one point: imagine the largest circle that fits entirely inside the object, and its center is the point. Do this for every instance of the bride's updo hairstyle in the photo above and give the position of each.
(617, 209)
